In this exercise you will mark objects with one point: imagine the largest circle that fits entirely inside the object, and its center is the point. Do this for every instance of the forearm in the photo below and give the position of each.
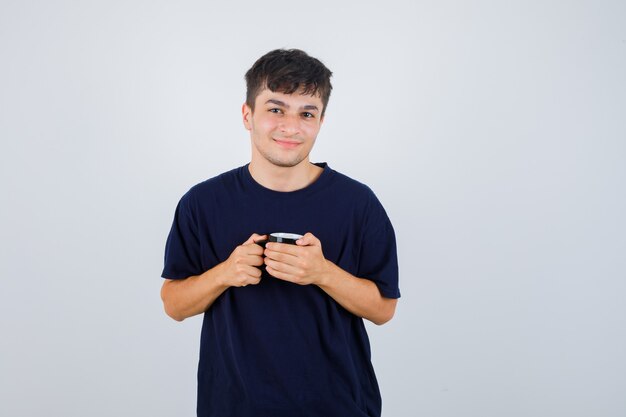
(183, 298)
(359, 296)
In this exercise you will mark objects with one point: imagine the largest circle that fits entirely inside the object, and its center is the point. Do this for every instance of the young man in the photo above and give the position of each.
(283, 332)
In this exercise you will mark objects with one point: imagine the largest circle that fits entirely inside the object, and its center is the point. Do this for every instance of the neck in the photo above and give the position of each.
(284, 179)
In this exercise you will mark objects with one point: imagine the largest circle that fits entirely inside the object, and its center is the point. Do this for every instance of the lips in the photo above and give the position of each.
(286, 143)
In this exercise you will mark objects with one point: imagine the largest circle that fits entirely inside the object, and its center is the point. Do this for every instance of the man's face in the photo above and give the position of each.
(283, 127)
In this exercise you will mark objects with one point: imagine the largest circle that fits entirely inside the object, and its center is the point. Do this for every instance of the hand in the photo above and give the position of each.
(303, 263)
(241, 267)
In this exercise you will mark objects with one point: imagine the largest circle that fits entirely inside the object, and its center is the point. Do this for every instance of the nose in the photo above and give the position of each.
(289, 126)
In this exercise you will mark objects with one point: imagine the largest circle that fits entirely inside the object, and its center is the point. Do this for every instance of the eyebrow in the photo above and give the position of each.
(285, 105)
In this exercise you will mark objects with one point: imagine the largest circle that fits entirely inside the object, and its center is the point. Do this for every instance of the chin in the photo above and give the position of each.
(285, 163)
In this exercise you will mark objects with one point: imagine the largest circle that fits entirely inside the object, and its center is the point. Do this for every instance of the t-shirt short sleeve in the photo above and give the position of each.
(182, 250)
(379, 261)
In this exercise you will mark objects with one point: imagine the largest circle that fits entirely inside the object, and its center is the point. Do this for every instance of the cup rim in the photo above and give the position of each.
(284, 235)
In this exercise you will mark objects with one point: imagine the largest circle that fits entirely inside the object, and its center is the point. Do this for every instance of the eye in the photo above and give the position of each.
(307, 115)
(275, 110)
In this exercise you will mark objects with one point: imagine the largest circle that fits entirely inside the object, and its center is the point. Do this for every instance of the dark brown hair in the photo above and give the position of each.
(288, 71)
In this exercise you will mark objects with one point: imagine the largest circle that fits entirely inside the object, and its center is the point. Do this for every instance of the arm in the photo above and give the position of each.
(305, 264)
(183, 298)
(359, 296)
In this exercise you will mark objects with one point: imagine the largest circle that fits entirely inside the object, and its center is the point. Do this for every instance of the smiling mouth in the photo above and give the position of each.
(286, 143)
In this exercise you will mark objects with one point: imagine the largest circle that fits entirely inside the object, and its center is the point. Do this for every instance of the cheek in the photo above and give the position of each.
(265, 126)
(311, 131)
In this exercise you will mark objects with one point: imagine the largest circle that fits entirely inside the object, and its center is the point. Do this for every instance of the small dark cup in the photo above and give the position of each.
(281, 237)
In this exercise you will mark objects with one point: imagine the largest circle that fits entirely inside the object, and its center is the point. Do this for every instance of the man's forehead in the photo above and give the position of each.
(297, 98)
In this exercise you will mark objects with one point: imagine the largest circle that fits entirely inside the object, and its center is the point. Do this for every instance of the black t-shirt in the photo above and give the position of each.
(277, 348)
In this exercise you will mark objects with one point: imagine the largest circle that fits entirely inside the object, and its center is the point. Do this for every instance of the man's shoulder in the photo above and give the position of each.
(351, 186)
(217, 182)
(356, 193)
(211, 188)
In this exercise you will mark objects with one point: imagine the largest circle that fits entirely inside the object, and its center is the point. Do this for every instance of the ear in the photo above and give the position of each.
(246, 113)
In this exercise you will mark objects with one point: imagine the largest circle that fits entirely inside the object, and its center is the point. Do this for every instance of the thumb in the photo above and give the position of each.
(308, 240)
(254, 238)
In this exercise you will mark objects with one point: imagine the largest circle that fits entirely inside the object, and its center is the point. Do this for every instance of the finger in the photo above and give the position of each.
(276, 270)
(277, 274)
(284, 276)
(244, 251)
(252, 272)
(254, 238)
(254, 260)
(253, 250)
(282, 267)
(260, 238)
(249, 255)
(286, 248)
(245, 275)
(248, 280)
(251, 247)
(255, 281)
(282, 257)
(308, 240)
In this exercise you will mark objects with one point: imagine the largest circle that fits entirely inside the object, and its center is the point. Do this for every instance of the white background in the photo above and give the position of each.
(494, 132)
